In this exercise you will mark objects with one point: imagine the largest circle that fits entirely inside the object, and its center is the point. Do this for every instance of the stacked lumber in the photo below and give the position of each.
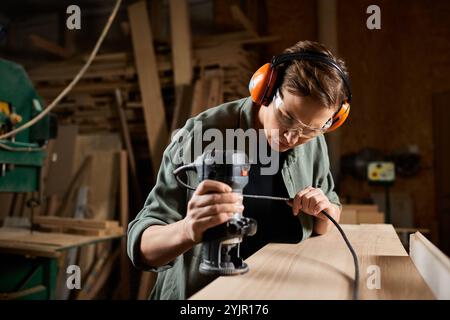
(361, 214)
(91, 104)
(87, 227)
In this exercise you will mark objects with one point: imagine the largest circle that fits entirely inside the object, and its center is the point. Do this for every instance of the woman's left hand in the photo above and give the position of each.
(311, 201)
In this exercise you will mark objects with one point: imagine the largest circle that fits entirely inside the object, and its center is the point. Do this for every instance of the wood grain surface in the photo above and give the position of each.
(322, 268)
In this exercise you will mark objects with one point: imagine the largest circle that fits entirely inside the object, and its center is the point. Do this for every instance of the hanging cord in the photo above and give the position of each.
(191, 167)
(75, 80)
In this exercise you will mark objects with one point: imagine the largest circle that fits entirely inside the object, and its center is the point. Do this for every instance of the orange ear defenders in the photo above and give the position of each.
(266, 80)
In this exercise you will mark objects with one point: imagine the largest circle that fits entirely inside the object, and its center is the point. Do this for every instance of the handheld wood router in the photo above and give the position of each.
(221, 243)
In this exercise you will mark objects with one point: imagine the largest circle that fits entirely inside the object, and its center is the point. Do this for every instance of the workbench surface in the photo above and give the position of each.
(322, 268)
(44, 244)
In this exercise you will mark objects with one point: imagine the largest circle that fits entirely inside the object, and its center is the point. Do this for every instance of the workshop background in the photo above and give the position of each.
(164, 61)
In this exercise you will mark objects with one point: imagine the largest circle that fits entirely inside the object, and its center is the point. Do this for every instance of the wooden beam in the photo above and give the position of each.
(182, 106)
(153, 105)
(128, 146)
(124, 284)
(47, 45)
(102, 276)
(84, 293)
(181, 42)
(239, 16)
(432, 263)
(74, 222)
(197, 98)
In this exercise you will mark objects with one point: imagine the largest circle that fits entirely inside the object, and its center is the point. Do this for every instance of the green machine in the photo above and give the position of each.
(21, 160)
(22, 156)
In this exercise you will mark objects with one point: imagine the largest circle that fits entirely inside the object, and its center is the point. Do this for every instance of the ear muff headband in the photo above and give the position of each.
(313, 56)
(265, 82)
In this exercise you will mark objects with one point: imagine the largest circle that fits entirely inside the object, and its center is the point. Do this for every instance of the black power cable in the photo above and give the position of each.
(347, 242)
(352, 251)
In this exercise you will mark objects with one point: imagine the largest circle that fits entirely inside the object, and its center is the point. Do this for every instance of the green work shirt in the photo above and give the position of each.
(305, 165)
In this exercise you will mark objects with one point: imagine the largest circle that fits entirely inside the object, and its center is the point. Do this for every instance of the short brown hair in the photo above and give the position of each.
(314, 78)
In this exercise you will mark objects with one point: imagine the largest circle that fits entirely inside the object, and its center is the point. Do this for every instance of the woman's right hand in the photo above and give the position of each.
(212, 204)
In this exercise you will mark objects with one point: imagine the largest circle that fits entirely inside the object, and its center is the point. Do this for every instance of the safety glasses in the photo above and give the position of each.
(294, 126)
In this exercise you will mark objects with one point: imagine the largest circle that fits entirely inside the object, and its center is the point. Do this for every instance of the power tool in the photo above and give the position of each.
(221, 245)
(220, 254)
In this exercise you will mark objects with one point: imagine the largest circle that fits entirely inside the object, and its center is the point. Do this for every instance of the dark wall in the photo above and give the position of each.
(395, 72)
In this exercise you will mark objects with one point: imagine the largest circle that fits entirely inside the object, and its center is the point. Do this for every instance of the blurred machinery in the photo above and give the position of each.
(22, 156)
(378, 169)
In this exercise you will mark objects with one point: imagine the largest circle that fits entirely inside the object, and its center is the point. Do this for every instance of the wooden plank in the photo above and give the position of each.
(101, 176)
(93, 232)
(21, 293)
(412, 230)
(49, 46)
(348, 217)
(90, 279)
(239, 16)
(60, 169)
(23, 239)
(62, 291)
(29, 250)
(432, 263)
(124, 219)
(181, 42)
(361, 207)
(399, 280)
(208, 91)
(80, 230)
(215, 94)
(74, 222)
(93, 88)
(370, 217)
(128, 146)
(197, 99)
(153, 106)
(183, 105)
(69, 194)
(320, 268)
(102, 276)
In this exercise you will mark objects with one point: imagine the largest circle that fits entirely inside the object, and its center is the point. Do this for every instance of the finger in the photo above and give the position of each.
(321, 205)
(212, 221)
(217, 198)
(310, 199)
(212, 186)
(297, 205)
(304, 191)
(297, 202)
(217, 209)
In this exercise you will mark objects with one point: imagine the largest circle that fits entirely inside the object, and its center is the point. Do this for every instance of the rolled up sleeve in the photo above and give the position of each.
(165, 204)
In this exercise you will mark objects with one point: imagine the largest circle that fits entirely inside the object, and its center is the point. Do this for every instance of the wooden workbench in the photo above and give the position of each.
(322, 268)
(44, 244)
